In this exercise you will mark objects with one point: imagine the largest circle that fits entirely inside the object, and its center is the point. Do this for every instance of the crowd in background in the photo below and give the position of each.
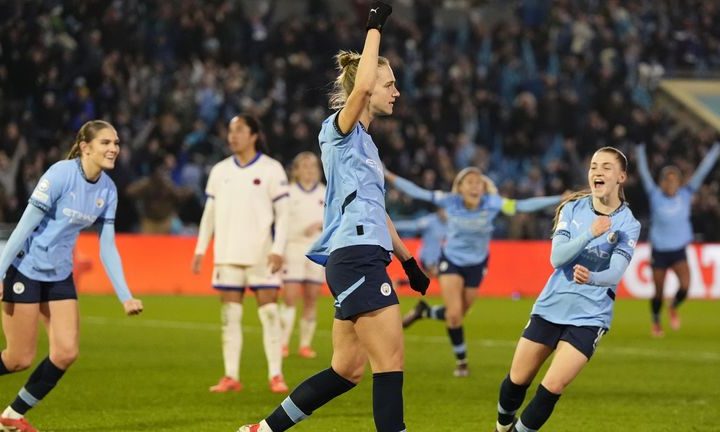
(526, 96)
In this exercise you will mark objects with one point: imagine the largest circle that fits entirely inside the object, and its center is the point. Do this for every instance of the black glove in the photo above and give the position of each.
(418, 280)
(379, 13)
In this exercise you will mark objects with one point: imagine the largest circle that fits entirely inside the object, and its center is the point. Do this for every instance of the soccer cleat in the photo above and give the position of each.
(249, 428)
(16, 425)
(277, 384)
(307, 352)
(509, 428)
(657, 330)
(461, 370)
(285, 351)
(226, 384)
(674, 319)
(420, 310)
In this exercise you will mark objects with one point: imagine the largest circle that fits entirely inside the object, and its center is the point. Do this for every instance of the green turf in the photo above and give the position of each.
(151, 373)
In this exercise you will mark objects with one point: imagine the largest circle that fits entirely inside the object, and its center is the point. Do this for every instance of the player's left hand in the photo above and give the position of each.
(133, 307)
(581, 274)
(417, 278)
(275, 262)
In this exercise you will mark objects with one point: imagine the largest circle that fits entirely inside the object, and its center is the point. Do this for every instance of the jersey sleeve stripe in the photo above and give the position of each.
(281, 196)
(623, 253)
(566, 233)
(38, 204)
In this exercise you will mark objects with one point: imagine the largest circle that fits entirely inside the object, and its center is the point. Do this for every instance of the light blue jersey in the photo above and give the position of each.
(71, 203)
(563, 301)
(432, 231)
(670, 226)
(469, 230)
(355, 196)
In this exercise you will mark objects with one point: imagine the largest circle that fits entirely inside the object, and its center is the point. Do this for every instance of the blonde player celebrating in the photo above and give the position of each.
(302, 277)
(245, 196)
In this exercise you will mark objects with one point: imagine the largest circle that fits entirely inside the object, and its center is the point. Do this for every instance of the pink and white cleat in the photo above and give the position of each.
(657, 331)
(277, 384)
(285, 351)
(16, 425)
(307, 352)
(674, 319)
(249, 428)
(227, 384)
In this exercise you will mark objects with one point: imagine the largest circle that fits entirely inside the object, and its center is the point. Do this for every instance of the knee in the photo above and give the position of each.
(352, 373)
(453, 319)
(18, 362)
(64, 357)
(554, 386)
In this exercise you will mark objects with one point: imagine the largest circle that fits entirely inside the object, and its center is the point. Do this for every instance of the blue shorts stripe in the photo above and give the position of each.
(343, 295)
(27, 397)
(292, 410)
(229, 287)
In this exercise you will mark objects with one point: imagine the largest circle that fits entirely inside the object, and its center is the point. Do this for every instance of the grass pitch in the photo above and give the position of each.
(152, 373)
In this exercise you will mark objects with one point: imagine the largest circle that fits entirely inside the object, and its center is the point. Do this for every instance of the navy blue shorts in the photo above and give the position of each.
(666, 259)
(18, 288)
(358, 280)
(583, 338)
(472, 275)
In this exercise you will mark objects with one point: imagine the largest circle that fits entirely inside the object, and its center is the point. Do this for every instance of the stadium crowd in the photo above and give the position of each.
(526, 97)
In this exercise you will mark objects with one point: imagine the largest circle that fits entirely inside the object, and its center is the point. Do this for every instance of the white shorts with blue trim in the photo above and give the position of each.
(228, 277)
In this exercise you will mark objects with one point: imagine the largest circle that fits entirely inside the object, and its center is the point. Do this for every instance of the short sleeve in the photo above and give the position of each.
(50, 187)
(278, 183)
(108, 217)
(330, 132)
(627, 239)
(210, 187)
(566, 214)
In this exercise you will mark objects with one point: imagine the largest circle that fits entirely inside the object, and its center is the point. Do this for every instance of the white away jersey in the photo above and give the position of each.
(306, 208)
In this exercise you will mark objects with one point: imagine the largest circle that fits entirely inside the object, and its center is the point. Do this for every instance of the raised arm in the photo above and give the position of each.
(705, 167)
(366, 75)
(411, 189)
(644, 169)
(529, 205)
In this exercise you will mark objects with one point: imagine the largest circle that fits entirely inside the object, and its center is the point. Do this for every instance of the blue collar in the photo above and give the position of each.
(252, 161)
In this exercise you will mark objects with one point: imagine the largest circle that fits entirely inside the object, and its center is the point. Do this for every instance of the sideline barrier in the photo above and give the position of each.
(161, 265)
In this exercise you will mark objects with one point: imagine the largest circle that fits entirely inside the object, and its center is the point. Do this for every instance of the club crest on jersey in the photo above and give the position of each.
(385, 289)
(44, 185)
(256, 181)
(99, 202)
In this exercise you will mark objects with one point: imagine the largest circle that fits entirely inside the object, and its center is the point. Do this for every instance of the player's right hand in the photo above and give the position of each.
(377, 15)
(600, 225)
(197, 263)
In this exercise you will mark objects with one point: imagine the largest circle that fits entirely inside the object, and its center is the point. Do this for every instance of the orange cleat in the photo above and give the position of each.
(285, 351)
(226, 384)
(277, 384)
(249, 428)
(16, 425)
(674, 319)
(307, 352)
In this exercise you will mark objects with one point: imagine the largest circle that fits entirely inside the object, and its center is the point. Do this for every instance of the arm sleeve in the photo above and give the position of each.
(705, 166)
(407, 226)
(644, 169)
(279, 193)
(411, 189)
(110, 258)
(622, 255)
(30, 219)
(565, 249)
(207, 226)
(511, 206)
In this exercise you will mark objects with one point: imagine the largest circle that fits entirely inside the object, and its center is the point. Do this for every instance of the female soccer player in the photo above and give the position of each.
(37, 265)
(593, 242)
(302, 277)
(355, 247)
(245, 196)
(670, 228)
(471, 208)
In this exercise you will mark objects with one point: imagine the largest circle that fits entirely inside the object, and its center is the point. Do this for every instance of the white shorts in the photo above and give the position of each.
(237, 278)
(298, 268)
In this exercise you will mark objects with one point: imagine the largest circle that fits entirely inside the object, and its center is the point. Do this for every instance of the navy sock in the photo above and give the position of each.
(457, 338)
(437, 312)
(679, 297)
(43, 379)
(655, 306)
(510, 400)
(3, 369)
(539, 409)
(310, 395)
(388, 401)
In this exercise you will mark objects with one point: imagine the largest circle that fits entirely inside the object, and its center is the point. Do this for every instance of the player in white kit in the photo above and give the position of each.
(246, 210)
(302, 278)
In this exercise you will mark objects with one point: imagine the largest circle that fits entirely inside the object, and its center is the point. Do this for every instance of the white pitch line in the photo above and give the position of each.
(701, 356)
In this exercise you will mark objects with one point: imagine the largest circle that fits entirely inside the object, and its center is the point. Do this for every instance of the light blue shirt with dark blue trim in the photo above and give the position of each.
(566, 302)
(71, 203)
(355, 196)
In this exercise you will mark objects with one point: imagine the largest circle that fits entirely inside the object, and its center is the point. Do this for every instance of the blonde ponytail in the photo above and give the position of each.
(347, 64)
